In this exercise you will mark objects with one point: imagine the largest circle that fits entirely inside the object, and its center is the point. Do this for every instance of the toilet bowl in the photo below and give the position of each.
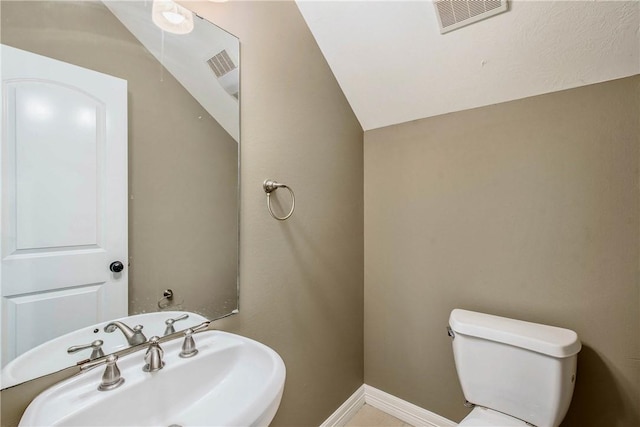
(514, 372)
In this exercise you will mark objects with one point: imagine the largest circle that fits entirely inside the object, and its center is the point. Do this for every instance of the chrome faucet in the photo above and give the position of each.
(134, 336)
(153, 357)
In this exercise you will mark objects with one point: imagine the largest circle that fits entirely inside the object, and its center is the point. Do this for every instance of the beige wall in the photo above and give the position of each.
(301, 280)
(527, 209)
(301, 288)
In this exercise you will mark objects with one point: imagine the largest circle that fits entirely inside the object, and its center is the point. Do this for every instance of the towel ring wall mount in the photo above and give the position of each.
(270, 186)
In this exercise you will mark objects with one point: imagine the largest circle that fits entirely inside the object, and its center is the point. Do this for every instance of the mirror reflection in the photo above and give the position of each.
(119, 165)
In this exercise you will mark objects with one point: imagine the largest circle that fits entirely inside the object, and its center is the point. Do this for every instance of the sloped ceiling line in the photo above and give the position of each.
(394, 66)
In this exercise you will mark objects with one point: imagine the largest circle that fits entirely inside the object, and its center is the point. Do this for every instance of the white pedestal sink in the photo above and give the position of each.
(232, 381)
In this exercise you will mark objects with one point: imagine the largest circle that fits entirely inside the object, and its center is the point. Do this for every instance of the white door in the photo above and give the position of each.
(64, 199)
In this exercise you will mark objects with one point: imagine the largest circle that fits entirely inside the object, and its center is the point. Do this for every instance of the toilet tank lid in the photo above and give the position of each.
(550, 340)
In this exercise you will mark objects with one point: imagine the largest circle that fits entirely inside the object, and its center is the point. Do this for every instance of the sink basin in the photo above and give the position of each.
(231, 381)
(52, 355)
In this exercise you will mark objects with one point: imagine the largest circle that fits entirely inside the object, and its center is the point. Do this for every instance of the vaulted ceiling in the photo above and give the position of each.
(394, 65)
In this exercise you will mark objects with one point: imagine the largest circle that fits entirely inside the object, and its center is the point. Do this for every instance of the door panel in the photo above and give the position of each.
(30, 314)
(64, 199)
(60, 130)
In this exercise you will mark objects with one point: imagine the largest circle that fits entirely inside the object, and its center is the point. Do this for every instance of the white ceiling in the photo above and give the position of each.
(394, 65)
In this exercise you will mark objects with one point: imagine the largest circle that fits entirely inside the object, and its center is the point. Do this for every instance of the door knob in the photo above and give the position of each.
(116, 267)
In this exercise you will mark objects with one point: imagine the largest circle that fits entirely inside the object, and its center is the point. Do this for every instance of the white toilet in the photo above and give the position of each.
(515, 373)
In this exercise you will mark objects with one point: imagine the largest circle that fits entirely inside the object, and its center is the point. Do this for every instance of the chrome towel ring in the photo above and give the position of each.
(269, 186)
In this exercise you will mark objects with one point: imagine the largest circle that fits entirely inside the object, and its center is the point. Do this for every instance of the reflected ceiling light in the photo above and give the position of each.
(172, 17)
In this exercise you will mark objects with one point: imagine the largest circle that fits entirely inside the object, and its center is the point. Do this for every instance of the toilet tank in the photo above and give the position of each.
(525, 370)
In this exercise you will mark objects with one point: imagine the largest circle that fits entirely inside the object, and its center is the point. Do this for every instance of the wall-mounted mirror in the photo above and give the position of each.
(119, 165)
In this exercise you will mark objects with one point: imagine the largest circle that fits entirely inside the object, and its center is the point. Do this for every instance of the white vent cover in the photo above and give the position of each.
(453, 14)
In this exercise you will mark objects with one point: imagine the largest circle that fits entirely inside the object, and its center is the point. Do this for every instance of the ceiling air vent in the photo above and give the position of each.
(453, 14)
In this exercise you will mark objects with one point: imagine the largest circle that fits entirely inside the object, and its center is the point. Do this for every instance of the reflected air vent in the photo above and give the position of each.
(226, 71)
(453, 14)
(221, 64)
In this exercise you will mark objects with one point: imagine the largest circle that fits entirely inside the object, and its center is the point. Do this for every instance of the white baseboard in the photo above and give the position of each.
(347, 410)
(401, 409)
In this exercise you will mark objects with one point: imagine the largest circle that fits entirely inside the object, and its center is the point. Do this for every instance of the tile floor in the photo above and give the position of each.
(368, 416)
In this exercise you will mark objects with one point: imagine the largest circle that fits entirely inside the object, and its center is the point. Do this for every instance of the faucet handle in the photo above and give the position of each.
(154, 355)
(169, 322)
(189, 345)
(138, 336)
(95, 345)
(111, 378)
